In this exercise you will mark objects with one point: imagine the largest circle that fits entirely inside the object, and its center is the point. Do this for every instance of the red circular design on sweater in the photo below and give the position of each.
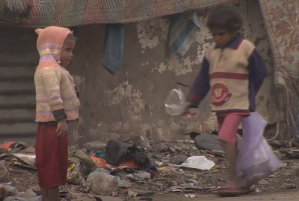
(220, 94)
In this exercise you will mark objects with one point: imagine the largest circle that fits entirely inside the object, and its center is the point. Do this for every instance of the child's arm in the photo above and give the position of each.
(201, 85)
(257, 70)
(52, 78)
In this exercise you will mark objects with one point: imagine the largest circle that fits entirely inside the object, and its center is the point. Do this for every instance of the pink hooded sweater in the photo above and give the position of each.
(55, 89)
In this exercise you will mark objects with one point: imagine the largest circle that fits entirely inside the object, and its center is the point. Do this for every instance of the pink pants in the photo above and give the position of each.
(228, 127)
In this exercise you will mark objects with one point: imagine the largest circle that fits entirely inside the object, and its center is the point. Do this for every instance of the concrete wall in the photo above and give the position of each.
(131, 102)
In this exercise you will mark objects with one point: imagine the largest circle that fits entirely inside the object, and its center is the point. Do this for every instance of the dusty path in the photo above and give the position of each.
(289, 196)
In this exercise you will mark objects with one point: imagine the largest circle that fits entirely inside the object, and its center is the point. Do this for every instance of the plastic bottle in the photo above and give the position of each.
(174, 103)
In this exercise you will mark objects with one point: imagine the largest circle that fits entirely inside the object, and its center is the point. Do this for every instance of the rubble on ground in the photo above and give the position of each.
(138, 169)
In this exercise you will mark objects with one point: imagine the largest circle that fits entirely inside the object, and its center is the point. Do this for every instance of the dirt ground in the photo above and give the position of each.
(172, 182)
(289, 195)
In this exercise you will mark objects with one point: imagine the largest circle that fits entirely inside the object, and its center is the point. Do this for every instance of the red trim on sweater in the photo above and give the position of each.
(193, 96)
(229, 75)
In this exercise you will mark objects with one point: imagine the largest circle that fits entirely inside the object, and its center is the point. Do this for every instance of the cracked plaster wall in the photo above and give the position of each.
(131, 101)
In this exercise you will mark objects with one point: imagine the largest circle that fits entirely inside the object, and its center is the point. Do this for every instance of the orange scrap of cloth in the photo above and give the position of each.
(7, 145)
(101, 162)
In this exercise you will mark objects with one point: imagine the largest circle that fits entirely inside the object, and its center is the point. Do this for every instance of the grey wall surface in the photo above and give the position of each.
(131, 101)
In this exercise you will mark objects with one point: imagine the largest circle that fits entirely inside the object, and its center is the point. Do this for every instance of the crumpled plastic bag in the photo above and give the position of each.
(116, 152)
(198, 162)
(139, 157)
(256, 159)
(102, 183)
(174, 103)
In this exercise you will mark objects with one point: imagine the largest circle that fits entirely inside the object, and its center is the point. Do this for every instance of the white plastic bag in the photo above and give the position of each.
(102, 183)
(256, 159)
(198, 162)
(174, 103)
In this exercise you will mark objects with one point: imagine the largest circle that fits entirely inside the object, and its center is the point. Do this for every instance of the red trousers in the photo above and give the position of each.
(228, 127)
(51, 157)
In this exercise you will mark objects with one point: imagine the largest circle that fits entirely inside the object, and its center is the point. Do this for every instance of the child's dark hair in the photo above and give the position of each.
(225, 17)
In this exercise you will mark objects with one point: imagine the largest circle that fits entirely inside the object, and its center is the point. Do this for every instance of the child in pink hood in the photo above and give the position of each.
(57, 104)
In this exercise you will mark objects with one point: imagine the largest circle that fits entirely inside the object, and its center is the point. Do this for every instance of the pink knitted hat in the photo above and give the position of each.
(49, 44)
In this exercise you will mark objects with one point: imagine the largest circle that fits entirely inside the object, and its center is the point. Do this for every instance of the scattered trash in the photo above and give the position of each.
(291, 154)
(28, 150)
(164, 168)
(198, 162)
(143, 175)
(257, 190)
(76, 174)
(78, 196)
(144, 143)
(80, 156)
(35, 188)
(28, 194)
(295, 171)
(24, 158)
(138, 192)
(190, 195)
(152, 170)
(12, 146)
(108, 198)
(95, 146)
(136, 178)
(7, 191)
(288, 186)
(100, 154)
(132, 193)
(123, 183)
(127, 163)
(102, 183)
(7, 145)
(145, 198)
(14, 198)
(263, 182)
(173, 166)
(116, 152)
(139, 157)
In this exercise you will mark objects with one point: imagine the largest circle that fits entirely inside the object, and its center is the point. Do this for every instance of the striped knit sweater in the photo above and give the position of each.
(56, 96)
(55, 91)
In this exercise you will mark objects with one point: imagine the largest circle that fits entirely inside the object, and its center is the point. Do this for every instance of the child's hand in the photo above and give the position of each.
(62, 128)
(187, 113)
